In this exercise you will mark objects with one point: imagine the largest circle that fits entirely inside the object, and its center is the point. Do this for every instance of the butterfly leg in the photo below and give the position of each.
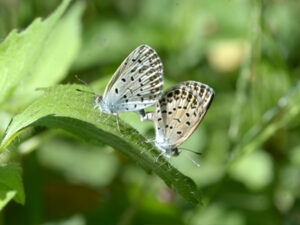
(163, 163)
(161, 154)
(148, 140)
(141, 113)
(145, 116)
(98, 119)
(118, 125)
(107, 117)
(169, 163)
(95, 108)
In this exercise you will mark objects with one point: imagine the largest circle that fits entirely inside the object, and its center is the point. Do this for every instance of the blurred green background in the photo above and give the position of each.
(248, 51)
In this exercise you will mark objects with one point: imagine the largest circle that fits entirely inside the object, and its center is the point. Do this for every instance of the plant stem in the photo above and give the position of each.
(248, 71)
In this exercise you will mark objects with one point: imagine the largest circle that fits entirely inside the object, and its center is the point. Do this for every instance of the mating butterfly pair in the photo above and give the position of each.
(138, 84)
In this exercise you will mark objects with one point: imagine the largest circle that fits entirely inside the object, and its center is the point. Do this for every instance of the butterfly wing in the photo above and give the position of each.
(137, 83)
(180, 111)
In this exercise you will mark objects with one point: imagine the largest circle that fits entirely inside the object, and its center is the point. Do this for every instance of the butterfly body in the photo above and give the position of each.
(166, 149)
(178, 113)
(103, 106)
(137, 84)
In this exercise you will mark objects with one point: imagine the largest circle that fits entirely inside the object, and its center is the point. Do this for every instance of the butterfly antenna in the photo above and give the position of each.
(86, 84)
(197, 153)
(188, 157)
(90, 92)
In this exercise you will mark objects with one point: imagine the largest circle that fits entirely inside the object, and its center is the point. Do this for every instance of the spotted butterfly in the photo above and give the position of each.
(137, 84)
(178, 113)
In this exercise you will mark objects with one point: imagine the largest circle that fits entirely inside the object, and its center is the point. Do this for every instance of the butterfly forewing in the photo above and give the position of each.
(180, 110)
(138, 82)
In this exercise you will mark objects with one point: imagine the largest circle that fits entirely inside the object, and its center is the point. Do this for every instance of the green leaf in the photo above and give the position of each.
(5, 196)
(284, 113)
(11, 184)
(19, 51)
(60, 50)
(66, 108)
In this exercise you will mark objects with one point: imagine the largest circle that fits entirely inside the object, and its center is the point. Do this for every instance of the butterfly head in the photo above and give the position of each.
(98, 99)
(175, 152)
(101, 104)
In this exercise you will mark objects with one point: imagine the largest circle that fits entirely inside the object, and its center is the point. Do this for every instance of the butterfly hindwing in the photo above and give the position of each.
(138, 82)
(180, 111)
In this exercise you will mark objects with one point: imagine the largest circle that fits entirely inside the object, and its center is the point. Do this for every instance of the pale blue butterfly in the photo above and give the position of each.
(137, 84)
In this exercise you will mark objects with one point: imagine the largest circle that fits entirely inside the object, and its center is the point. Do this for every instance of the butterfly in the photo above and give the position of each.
(178, 113)
(137, 84)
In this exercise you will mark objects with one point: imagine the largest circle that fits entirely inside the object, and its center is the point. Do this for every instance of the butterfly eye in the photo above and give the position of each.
(175, 152)
(98, 99)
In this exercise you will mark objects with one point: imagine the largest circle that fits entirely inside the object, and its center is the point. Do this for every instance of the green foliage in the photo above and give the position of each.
(59, 51)
(11, 186)
(18, 54)
(19, 51)
(67, 108)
